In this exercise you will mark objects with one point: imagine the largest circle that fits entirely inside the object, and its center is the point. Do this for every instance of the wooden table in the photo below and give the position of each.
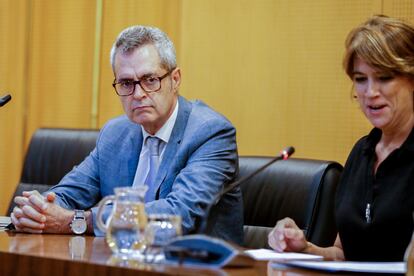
(31, 254)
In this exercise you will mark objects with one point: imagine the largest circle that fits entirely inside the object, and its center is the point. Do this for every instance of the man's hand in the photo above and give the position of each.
(287, 236)
(35, 213)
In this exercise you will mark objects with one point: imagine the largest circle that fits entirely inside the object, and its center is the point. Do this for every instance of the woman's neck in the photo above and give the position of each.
(395, 138)
(391, 140)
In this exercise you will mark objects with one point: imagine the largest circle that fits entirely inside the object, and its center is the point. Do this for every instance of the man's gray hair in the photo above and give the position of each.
(137, 36)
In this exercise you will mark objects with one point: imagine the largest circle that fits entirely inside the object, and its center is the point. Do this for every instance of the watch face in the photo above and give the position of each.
(79, 226)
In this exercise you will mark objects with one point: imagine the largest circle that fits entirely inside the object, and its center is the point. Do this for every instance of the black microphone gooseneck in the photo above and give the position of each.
(284, 154)
(202, 249)
(5, 99)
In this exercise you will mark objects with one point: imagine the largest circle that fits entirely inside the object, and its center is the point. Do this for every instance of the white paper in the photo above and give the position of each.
(271, 255)
(365, 267)
(4, 221)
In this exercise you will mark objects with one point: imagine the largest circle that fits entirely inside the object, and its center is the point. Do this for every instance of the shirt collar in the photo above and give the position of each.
(375, 135)
(164, 133)
(372, 140)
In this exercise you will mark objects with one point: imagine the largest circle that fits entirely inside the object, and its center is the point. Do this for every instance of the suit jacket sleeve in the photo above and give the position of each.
(205, 161)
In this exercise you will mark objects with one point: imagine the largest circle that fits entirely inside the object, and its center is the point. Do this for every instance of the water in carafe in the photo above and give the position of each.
(125, 234)
(125, 227)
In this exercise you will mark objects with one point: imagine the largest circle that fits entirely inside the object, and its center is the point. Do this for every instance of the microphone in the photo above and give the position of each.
(202, 249)
(5, 99)
(284, 154)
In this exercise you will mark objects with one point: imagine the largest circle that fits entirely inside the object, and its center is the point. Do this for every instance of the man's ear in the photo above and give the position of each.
(176, 78)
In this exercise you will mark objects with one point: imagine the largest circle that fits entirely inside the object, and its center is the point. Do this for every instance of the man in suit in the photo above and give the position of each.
(196, 145)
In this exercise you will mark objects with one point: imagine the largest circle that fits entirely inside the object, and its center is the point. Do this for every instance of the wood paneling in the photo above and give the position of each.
(274, 68)
(60, 61)
(14, 16)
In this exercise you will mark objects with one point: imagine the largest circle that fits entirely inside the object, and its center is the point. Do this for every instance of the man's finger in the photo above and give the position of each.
(51, 197)
(19, 227)
(32, 192)
(21, 201)
(17, 212)
(33, 214)
(26, 223)
(15, 221)
(38, 202)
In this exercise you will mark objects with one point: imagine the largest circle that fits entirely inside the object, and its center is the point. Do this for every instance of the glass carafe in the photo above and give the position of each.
(125, 227)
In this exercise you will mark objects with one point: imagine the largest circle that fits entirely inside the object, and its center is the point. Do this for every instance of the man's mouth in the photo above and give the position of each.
(140, 107)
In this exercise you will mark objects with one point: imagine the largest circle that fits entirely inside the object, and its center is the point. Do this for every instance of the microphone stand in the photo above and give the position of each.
(202, 247)
(284, 154)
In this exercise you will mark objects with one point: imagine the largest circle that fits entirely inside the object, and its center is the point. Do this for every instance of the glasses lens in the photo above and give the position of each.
(125, 87)
(150, 84)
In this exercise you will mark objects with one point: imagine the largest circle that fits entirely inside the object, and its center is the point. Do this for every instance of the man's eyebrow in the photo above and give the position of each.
(147, 75)
(125, 79)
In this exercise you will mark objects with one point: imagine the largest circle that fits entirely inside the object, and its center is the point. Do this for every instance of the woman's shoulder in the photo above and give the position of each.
(367, 142)
(363, 146)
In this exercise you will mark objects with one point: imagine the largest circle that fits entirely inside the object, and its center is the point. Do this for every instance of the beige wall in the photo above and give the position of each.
(272, 67)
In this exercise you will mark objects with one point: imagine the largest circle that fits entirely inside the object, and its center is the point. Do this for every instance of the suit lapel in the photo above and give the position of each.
(184, 109)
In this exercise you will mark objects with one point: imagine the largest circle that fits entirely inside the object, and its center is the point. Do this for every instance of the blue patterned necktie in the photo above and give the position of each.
(153, 144)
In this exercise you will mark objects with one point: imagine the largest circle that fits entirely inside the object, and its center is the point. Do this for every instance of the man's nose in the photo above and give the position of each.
(138, 91)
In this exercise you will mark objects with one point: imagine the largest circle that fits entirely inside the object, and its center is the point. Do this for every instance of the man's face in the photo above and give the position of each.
(153, 109)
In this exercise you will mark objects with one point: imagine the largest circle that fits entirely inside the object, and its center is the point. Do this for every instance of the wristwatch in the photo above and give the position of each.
(78, 224)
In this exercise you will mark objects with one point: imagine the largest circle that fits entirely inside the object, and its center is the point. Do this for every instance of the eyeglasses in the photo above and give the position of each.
(148, 84)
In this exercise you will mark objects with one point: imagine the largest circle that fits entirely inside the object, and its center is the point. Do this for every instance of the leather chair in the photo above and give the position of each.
(298, 188)
(52, 153)
(301, 189)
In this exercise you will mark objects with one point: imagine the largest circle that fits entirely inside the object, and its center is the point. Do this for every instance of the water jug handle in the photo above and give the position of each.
(105, 201)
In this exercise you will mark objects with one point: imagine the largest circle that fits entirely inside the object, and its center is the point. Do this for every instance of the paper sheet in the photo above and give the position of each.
(4, 221)
(363, 267)
(271, 255)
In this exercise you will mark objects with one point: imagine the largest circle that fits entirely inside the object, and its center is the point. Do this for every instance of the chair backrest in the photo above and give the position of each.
(52, 153)
(302, 189)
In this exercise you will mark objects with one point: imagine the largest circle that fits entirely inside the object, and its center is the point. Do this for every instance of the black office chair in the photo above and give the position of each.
(301, 189)
(52, 153)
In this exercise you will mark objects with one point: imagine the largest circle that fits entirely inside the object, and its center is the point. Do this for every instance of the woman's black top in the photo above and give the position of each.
(374, 213)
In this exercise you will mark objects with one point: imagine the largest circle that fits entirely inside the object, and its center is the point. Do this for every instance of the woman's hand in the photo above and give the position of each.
(287, 237)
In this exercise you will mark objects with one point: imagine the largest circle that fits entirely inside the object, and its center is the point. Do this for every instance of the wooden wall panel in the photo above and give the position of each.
(13, 40)
(60, 61)
(399, 8)
(274, 68)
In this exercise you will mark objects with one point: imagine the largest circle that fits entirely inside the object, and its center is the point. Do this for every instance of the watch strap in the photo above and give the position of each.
(79, 214)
